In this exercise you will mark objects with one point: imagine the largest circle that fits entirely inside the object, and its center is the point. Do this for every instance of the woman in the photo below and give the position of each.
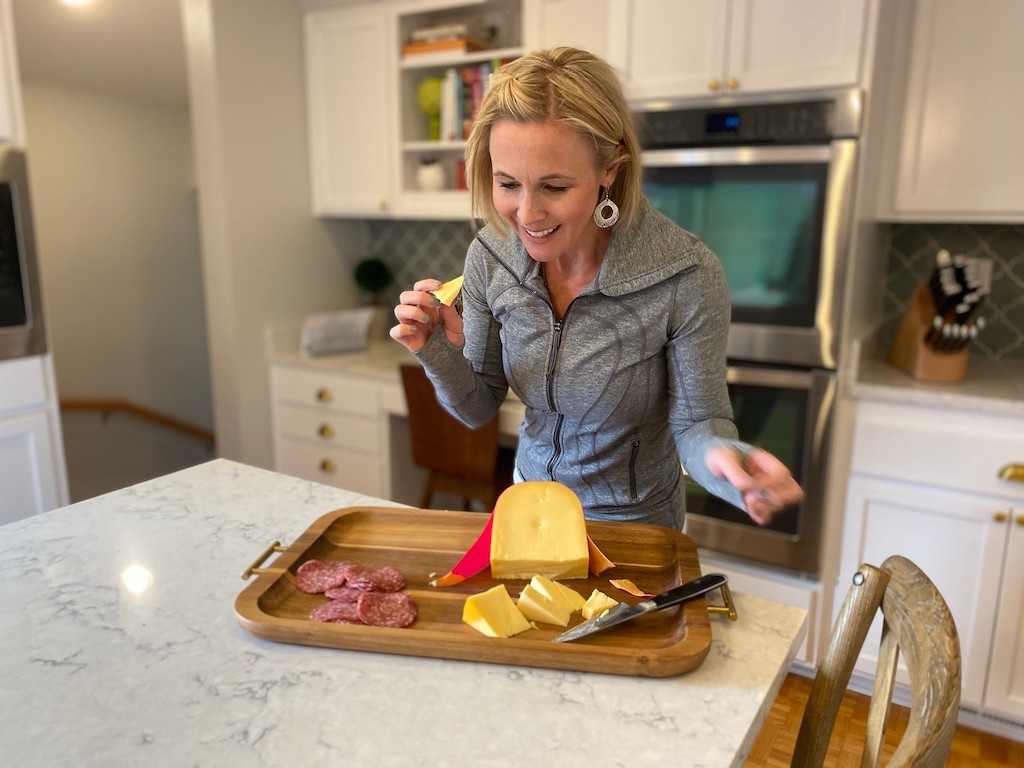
(604, 317)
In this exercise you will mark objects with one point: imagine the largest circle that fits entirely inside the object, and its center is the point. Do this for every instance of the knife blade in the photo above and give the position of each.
(622, 612)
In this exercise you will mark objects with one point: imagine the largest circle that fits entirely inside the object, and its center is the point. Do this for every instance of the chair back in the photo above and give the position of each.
(442, 443)
(918, 623)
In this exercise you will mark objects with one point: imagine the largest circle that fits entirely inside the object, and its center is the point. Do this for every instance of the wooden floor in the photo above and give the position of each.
(774, 746)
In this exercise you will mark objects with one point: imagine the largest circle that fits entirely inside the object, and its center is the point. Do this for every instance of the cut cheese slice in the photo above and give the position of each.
(597, 603)
(534, 605)
(538, 529)
(568, 599)
(494, 613)
(447, 292)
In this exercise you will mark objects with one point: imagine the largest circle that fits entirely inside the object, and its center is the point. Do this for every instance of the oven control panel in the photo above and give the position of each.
(808, 122)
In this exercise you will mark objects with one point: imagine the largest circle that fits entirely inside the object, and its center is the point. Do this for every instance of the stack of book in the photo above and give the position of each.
(461, 93)
(450, 37)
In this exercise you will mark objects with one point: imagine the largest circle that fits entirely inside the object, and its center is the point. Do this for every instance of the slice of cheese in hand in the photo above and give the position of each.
(597, 603)
(536, 606)
(494, 613)
(538, 529)
(447, 292)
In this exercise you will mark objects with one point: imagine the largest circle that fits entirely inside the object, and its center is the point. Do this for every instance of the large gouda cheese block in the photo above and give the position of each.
(538, 529)
(535, 606)
(494, 613)
(597, 603)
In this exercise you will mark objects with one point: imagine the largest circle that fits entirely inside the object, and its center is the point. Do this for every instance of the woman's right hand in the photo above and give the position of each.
(419, 313)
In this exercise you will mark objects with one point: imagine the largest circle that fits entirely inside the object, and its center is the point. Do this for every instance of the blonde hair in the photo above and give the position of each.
(574, 88)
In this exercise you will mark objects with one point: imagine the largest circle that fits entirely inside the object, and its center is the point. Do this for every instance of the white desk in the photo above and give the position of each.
(96, 675)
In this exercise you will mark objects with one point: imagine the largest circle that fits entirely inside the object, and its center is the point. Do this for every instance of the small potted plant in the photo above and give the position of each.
(373, 276)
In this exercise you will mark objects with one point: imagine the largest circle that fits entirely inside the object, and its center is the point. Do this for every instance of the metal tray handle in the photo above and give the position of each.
(255, 567)
(729, 608)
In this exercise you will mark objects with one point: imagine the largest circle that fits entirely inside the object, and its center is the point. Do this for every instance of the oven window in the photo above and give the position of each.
(771, 418)
(13, 311)
(763, 221)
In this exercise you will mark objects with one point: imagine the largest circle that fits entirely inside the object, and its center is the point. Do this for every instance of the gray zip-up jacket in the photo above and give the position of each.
(629, 383)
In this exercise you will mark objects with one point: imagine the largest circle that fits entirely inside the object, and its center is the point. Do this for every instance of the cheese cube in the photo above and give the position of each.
(597, 603)
(569, 599)
(538, 528)
(535, 606)
(494, 613)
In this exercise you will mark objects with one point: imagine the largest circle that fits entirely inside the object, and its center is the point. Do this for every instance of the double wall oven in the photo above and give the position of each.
(769, 187)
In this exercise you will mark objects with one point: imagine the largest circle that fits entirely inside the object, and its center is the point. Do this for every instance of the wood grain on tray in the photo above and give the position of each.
(424, 543)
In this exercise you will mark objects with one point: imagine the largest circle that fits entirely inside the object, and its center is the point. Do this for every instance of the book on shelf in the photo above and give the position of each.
(449, 30)
(451, 45)
(462, 91)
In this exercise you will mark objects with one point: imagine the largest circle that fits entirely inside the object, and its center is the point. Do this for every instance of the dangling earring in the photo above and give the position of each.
(599, 216)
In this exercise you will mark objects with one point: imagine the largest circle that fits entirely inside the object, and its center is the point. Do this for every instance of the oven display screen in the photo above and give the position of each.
(723, 122)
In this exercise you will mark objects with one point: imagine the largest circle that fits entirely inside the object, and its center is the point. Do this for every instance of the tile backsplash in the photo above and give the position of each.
(417, 249)
(911, 252)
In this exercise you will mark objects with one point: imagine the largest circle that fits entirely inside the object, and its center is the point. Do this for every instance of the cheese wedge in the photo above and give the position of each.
(597, 603)
(494, 613)
(538, 529)
(534, 605)
(447, 292)
(568, 599)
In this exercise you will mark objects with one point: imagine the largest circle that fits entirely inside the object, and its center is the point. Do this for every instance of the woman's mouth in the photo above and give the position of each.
(540, 233)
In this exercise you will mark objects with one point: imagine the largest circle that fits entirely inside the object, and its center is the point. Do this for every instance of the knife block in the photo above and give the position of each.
(910, 352)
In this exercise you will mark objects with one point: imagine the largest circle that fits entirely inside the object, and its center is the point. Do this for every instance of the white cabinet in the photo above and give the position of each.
(959, 154)
(327, 427)
(682, 48)
(926, 484)
(10, 88)
(584, 24)
(348, 53)
(33, 478)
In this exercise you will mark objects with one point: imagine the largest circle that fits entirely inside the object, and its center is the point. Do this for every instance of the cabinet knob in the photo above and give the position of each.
(1019, 520)
(732, 83)
(999, 517)
(715, 84)
(327, 466)
(1013, 473)
(324, 395)
(325, 430)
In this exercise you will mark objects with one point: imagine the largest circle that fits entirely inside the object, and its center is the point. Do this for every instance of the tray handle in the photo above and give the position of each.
(255, 567)
(729, 608)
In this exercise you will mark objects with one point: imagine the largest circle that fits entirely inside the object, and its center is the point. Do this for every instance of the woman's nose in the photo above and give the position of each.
(530, 208)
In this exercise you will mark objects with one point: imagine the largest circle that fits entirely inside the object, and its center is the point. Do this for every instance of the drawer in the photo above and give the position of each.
(329, 428)
(352, 471)
(331, 392)
(939, 448)
(23, 385)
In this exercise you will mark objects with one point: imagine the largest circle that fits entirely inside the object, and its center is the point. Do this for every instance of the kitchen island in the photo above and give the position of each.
(120, 646)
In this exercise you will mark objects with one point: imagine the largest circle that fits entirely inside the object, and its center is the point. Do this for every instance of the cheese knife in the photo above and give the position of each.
(623, 612)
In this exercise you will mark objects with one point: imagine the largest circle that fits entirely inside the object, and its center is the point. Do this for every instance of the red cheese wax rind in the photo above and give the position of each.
(476, 559)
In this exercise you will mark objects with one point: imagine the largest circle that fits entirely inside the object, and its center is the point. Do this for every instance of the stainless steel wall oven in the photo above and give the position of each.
(769, 187)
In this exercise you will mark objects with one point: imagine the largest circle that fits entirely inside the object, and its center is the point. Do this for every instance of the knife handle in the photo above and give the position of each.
(691, 589)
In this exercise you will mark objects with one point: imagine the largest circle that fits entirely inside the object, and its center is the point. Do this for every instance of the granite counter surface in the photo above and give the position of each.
(119, 646)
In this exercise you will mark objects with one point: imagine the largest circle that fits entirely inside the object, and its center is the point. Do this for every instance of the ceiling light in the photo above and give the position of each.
(75, 3)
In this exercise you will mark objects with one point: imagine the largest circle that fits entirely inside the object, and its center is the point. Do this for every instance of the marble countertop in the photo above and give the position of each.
(120, 646)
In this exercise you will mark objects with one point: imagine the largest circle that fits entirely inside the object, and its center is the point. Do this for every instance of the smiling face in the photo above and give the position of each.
(546, 184)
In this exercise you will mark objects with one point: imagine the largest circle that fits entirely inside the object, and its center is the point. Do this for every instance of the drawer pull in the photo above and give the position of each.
(327, 466)
(715, 84)
(1013, 473)
(732, 83)
(324, 395)
(1019, 520)
(325, 430)
(999, 517)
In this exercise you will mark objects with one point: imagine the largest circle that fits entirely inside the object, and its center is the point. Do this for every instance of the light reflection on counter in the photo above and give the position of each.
(136, 578)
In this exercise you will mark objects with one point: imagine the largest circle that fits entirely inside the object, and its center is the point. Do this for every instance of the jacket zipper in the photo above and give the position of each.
(549, 375)
(632, 469)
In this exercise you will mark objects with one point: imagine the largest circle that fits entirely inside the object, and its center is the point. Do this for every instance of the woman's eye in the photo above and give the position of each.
(556, 190)
(507, 184)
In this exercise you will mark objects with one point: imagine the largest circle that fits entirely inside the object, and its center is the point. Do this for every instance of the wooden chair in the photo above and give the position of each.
(469, 463)
(917, 622)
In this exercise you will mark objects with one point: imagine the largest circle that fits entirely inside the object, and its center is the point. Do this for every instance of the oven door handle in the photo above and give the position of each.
(782, 378)
(702, 156)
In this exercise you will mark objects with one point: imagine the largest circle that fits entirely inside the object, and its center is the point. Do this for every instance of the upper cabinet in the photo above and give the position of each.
(957, 155)
(674, 49)
(10, 87)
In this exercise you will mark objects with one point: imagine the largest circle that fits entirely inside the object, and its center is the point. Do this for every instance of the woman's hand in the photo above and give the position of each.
(766, 484)
(419, 313)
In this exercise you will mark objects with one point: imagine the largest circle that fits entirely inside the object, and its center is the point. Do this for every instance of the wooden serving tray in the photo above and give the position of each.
(422, 543)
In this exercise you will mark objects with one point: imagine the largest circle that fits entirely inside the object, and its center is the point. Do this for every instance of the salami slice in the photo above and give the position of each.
(315, 576)
(337, 612)
(344, 593)
(386, 579)
(386, 609)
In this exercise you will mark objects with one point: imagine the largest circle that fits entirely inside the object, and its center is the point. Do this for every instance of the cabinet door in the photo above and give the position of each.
(583, 24)
(348, 99)
(1004, 694)
(789, 44)
(28, 483)
(960, 157)
(958, 540)
(672, 48)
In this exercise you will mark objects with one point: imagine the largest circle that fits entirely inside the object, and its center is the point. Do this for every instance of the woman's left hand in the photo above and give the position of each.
(766, 484)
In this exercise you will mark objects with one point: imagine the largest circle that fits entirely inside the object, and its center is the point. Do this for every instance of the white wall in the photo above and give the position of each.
(117, 233)
(266, 259)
